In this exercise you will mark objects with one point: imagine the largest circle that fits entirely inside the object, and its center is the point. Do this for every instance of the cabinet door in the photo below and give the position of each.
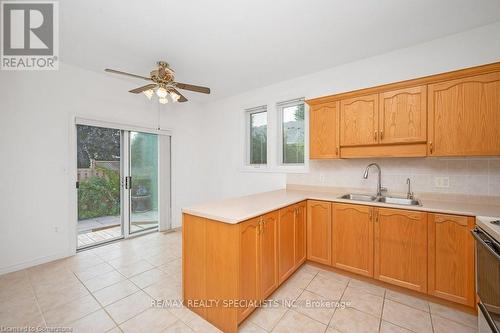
(451, 258)
(319, 231)
(249, 264)
(300, 234)
(401, 248)
(269, 254)
(403, 115)
(463, 116)
(286, 242)
(324, 131)
(359, 121)
(352, 238)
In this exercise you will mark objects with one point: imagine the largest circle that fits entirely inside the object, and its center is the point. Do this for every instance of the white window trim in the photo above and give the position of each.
(255, 167)
(273, 127)
(289, 167)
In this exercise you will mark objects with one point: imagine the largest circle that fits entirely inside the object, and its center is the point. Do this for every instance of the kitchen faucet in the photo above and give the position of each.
(409, 193)
(379, 186)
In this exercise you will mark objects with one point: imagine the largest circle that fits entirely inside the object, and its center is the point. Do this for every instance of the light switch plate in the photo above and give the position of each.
(442, 182)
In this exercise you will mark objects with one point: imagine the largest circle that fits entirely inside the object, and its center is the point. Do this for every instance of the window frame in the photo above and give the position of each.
(279, 115)
(248, 113)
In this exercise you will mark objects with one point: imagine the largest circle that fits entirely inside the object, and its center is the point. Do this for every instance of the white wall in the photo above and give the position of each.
(223, 118)
(36, 170)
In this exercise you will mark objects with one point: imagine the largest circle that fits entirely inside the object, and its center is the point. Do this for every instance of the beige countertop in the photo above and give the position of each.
(239, 209)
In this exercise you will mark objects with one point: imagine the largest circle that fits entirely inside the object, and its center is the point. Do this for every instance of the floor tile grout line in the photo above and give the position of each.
(336, 309)
(102, 307)
(36, 299)
(382, 311)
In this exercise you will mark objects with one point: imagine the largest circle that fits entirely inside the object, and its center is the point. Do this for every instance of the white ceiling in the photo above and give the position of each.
(236, 45)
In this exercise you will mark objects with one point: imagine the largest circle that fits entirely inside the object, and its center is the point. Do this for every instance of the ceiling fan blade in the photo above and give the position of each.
(191, 87)
(143, 88)
(128, 74)
(181, 99)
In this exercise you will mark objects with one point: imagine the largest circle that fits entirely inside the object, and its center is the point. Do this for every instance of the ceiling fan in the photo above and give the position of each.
(164, 84)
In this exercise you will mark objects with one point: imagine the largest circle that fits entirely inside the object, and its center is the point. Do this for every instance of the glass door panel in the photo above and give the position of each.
(143, 182)
(98, 185)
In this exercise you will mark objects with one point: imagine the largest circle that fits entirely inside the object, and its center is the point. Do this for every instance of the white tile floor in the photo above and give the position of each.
(109, 289)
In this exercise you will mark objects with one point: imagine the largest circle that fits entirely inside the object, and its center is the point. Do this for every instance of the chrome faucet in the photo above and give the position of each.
(409, 193)
(379, 186)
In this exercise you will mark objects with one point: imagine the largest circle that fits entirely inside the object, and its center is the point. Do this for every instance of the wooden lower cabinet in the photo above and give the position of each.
(319, 231)
(291, 239)
(286, 242)
(269, 254)
(451, 258)
(250, 259)
(300, 234)
(401, 248)
(352, 238)
(258, 260)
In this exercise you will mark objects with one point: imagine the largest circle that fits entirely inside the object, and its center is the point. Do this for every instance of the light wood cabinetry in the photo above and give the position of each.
(319, 231)
(359, 121)
(401, 248)
(352, 238)
(451, 258)
(449, 114)
(286, 242)
(324, 133)
(269, 254)
(291, 239)
(250, 257)
(403, 116)
(463, 116)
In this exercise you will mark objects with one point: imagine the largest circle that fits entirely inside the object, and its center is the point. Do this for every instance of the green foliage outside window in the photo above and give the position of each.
(99, 196)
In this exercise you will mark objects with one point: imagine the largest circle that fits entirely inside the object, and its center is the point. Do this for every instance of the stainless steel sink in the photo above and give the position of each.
(399, 201)
(387, 200)
(359, 197)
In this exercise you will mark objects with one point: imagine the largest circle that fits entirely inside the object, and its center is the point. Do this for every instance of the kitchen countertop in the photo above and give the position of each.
(236, 210)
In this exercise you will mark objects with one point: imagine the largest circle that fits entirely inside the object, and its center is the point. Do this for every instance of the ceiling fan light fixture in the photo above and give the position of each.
(149, 93)
(175, 97)
(161, 92)
(163, 100)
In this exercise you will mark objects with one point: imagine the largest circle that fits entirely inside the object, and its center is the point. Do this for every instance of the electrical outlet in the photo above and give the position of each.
(442, 182)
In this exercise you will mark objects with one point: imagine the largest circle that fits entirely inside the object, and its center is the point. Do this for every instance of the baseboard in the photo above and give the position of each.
(33, 262)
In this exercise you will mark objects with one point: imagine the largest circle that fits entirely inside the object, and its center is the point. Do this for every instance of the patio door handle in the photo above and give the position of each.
(128, 182)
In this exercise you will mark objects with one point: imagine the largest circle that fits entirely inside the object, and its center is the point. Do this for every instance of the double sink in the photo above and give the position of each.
(382, 199)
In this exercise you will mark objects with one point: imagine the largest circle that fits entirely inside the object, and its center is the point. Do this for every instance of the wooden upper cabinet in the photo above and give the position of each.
(269, 254)
(403, 115)
(249, 286)
(352, 238)
(401, 248)
(451, 258)
(300, 234)
(359, 121)
(319, 231)
(324, 131)
(286, 242)
(464, 117)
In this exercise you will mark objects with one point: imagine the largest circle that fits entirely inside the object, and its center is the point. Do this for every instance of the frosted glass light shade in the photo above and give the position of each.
(161, 92)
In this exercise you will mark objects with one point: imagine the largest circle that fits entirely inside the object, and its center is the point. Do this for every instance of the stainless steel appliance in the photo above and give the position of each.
(488, 273)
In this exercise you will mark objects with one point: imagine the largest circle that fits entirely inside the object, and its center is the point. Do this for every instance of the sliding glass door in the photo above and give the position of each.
(99, 175)
(118, 183)
(143, 181)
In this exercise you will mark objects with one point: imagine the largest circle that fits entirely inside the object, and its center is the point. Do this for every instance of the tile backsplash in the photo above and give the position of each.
(471, 176)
